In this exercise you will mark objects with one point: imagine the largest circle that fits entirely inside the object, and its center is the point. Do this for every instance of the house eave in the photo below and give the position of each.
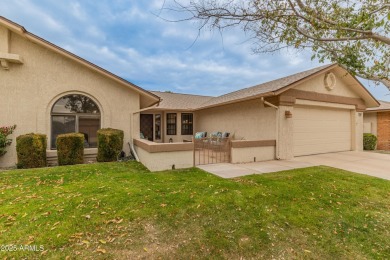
(268, 94)
(377, 111)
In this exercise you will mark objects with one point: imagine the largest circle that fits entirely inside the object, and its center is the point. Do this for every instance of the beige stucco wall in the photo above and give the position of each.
(28, 92)
(370, 123)
(248, 120)
(252, 154)
(284, 141)
(165, 160)
(342, 87)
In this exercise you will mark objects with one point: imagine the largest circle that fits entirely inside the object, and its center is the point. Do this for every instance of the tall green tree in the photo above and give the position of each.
(355, 34)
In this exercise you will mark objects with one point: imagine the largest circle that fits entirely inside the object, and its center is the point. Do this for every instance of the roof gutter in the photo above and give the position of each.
(155, 103)
(377, 111)
(144, 109)
(268, 103)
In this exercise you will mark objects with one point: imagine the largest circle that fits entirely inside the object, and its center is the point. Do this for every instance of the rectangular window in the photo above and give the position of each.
(171, 123)
(62, 125)
(187, 124)
(86, 125)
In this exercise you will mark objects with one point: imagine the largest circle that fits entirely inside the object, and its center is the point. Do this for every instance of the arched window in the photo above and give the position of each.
(75, 113)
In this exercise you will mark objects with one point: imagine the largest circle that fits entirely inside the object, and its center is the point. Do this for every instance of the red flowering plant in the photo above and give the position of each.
(5, 131)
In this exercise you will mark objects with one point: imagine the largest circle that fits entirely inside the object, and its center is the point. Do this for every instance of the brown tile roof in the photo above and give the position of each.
(384, 106)
(262, 89)
(177, 101)
(194, 102)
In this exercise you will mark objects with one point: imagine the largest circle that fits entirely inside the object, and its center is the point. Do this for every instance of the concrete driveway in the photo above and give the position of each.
(374, 164)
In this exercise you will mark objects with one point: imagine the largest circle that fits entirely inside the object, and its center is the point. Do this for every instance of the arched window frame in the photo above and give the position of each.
(77, 116)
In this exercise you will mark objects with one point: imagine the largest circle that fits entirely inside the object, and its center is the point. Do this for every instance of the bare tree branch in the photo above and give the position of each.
(355, 34)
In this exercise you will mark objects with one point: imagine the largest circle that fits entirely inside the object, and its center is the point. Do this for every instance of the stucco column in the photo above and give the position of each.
(357, 130)
(135, 126)
(4, 40)
(284, 143)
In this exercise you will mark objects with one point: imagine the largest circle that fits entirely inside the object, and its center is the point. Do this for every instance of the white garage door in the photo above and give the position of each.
(321, 130)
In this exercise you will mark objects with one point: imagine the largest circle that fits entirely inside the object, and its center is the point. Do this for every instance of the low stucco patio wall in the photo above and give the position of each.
(244, 151)
(164, 156)
(90, 155)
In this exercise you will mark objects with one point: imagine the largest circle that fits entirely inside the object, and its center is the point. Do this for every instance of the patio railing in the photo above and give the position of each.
(212, 150)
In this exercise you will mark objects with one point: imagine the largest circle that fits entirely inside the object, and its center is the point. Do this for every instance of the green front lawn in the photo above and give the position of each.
(122, 211)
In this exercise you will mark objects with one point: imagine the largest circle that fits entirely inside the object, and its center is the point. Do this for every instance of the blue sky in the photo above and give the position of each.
(128, 38)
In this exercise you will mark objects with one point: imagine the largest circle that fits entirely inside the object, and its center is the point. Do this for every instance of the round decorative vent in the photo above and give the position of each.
(330, 81)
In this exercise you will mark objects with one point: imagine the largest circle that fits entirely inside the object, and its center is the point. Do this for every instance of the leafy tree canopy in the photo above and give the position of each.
(355, 34)
(80, 104)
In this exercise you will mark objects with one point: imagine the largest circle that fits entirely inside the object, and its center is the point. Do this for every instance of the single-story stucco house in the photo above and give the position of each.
(36, 75)
(377, 122)
(46, 89)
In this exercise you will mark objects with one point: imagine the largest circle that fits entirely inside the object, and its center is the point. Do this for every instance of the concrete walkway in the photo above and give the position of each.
(374, 164)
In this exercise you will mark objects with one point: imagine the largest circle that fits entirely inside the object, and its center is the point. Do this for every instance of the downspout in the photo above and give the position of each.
(131, 143)
(277, 126)
(132, 150)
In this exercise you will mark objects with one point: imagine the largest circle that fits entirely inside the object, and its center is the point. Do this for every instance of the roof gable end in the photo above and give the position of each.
(278, 86)
(147, 98)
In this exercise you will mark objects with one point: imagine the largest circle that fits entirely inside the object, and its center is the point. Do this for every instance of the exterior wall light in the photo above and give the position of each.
(288, 114)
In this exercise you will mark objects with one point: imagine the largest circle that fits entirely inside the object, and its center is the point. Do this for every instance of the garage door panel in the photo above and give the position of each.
(329, 115)
(321, 130)
(325, 148)
(308, 136)
(322, 114)
(318, 140)
(334, 116)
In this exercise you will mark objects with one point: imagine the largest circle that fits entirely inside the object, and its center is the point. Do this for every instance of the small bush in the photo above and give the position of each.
(110, 144)
(5, 131)
(369, 141)
(70, 149)
(31, 151)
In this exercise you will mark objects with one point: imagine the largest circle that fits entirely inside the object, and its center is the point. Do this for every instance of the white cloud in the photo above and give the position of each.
(37, 14)
(128, 39)
(77, 11)
(95, 32)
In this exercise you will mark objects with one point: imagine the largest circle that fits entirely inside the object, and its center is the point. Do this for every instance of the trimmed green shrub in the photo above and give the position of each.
(70, 149)
(110, 144)
(369, 141)
(31, 151)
